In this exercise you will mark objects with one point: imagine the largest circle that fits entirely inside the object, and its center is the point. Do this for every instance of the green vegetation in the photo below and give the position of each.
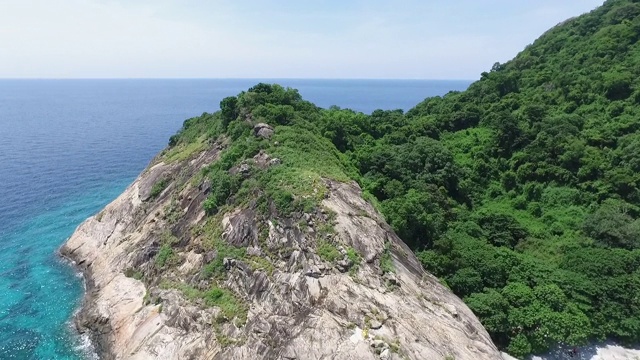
(193, 137)
(386, 262)
(172, 211)
(216, 268)
(132, 273)
(158, 187)
(522, 193)
(165, 255)
(306, 158)
(231, 307)
(328, 252)
(353, 256)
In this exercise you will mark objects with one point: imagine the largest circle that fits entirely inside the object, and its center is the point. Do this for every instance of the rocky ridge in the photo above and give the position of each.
(166, 280)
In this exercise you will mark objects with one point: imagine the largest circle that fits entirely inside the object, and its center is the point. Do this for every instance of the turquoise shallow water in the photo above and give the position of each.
(40, 292)
(68, 147)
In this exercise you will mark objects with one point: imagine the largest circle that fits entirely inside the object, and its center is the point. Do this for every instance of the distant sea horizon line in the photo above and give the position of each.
(232, 78)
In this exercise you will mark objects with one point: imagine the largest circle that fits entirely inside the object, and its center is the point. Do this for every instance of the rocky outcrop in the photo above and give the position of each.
(334, 283)
(263, 130)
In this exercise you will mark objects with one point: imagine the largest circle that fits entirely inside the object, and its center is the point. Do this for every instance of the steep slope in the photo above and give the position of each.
(523, 192)
(245, 240)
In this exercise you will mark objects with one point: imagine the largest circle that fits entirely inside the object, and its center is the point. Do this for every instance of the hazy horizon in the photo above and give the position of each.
(249, 39)
(234, 78)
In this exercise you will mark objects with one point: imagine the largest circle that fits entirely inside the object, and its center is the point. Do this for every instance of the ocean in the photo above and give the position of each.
(69, 147)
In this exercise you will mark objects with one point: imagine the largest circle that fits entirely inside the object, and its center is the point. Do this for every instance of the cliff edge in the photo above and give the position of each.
(270, 269)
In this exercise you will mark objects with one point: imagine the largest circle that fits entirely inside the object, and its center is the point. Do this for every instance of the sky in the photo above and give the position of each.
(363, 39)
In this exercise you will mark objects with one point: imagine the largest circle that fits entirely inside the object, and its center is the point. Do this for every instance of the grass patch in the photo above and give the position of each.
(353, 255)
(216, 267)
(328, 252)
(260, 263)
(230, 305)
(185, 151)
(355, 259)
(325, 229)
(172, 212)
(296, 184)
(301, 149)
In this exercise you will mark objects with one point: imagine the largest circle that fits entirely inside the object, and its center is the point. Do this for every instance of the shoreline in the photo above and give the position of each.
(96, 348)
(85, 346)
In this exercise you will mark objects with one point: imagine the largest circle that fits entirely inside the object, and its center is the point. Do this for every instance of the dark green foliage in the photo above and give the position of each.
(612, 225)
(223, 185)
(501, 229)
(509, 187)
(164, 256)
(158, 187)
(386, 261)
(416, 216)
(228, 110)
(466, 281)
(132, 273)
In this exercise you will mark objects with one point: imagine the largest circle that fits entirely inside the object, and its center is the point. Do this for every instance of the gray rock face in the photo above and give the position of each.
(304, 307)
(263, 130)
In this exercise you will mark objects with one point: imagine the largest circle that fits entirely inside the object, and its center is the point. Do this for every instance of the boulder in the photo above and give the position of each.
(263, 130)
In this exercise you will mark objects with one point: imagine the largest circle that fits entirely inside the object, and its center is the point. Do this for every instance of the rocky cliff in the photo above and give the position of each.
(246, 280)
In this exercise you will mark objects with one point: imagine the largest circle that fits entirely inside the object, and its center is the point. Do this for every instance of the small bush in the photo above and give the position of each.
(328, 252)
(164, 256)
(386, 262)
(223, 185)
(353, 255)
(158, 187)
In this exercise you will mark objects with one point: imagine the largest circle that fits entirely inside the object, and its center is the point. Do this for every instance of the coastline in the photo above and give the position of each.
(86, 345)
(93, 349)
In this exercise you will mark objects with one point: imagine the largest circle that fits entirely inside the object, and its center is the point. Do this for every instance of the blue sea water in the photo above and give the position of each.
(68, 147)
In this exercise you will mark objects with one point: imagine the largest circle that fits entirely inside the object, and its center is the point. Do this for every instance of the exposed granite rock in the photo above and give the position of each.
(263, 130)
(299, 307)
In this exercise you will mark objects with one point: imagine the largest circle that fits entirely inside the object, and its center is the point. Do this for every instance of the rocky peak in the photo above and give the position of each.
(335, 282)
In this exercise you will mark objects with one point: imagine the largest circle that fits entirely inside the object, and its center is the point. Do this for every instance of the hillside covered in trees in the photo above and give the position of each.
(522, 193)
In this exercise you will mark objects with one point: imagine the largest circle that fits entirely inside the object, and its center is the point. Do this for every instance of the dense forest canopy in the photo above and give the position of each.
(521, 193)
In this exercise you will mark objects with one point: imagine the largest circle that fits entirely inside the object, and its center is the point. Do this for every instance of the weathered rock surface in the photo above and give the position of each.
(263, 130)
(304, 307)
